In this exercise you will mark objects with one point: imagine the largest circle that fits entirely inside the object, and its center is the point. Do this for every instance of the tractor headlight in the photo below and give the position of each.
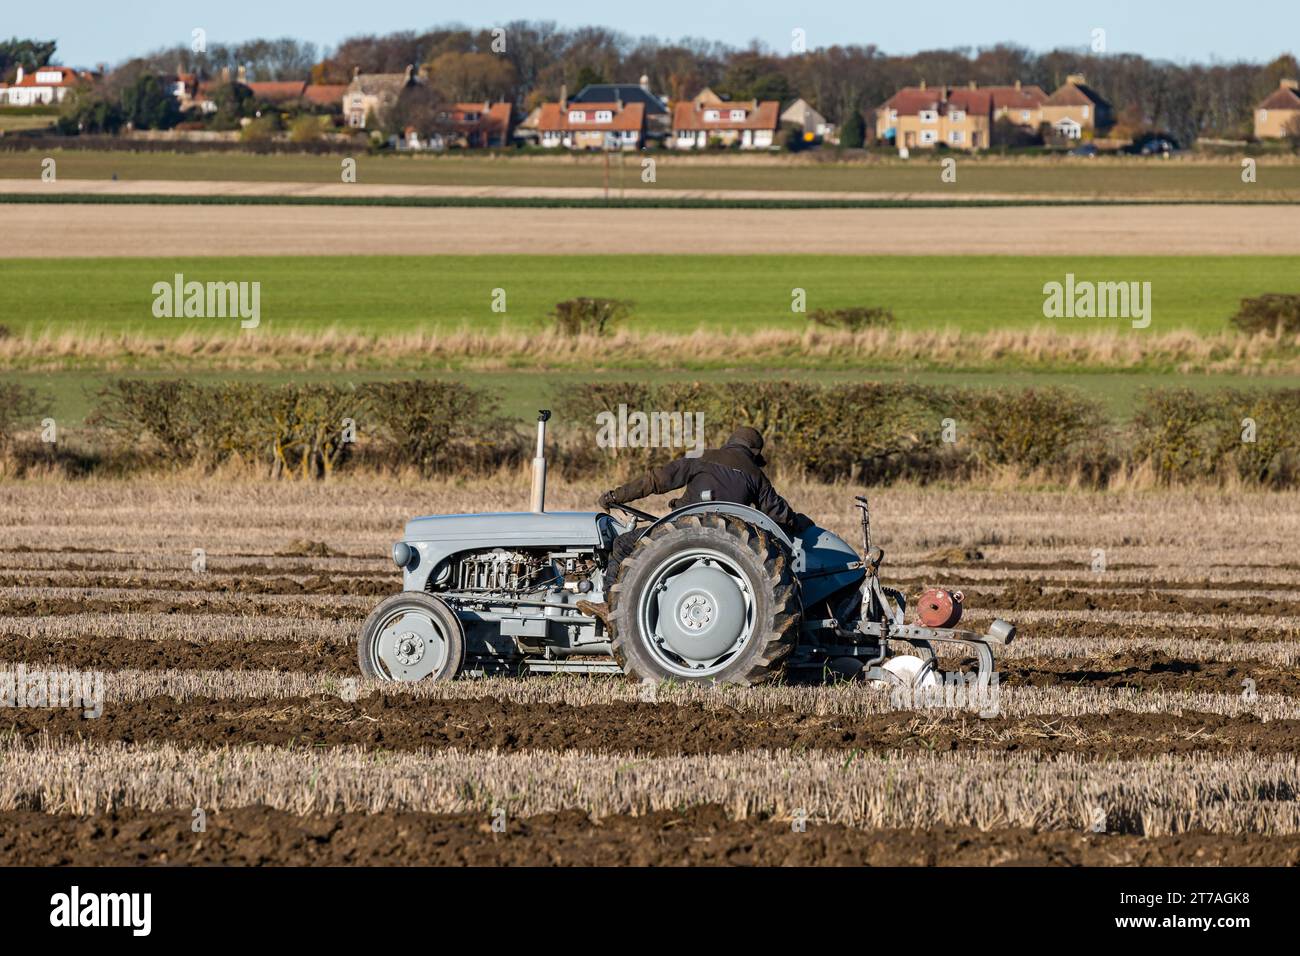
(405, 556)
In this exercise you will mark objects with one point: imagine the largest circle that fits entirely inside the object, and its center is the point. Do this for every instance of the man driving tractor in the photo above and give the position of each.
(731, 473)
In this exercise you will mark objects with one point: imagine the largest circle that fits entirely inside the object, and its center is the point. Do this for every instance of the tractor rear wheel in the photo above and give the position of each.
(411, 636)
(705, 598)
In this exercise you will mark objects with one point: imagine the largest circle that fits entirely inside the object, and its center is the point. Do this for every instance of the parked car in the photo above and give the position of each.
(1087, 149)
(1155, 144)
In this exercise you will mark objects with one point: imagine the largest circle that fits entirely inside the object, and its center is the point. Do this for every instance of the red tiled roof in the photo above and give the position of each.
(630, 117)
(325, 94)
(1076, 94)
(1024, 98)
(68, 77)
(686, 116)
(278, 91)
(912, 100)
(1282, 98)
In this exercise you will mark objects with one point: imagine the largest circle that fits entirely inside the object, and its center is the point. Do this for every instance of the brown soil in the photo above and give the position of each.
(359, 586)
(1149, 670)
(407, 724)
(253, 836)
(50, 607)
(114, 653)
(77, 229)
(1024, 596)
(1145, 670)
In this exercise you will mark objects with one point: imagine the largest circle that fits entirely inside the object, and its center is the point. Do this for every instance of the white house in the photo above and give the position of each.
(43, 86)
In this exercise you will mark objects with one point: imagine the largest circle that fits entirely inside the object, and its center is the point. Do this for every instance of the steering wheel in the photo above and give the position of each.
(635, 512)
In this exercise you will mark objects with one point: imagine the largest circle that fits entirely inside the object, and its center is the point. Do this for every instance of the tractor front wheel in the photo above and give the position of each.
(705, 598)
(411, 636)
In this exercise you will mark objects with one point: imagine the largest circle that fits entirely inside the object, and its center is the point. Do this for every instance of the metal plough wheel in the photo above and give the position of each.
(411, 636)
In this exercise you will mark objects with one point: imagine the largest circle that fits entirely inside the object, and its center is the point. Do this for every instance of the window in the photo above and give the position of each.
(577, 116)
(893, 116)
(712, 115)
(928, 116)
(956, 137)
(1085, 112)
(928, 137)
(737, 115)
(604, 116)
(1024, 116)
(957, 116)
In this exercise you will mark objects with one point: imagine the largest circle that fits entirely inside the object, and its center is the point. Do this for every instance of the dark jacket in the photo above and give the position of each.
(729, 473)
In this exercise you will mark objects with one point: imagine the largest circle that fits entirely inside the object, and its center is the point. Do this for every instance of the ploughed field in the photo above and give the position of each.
(1148, 712)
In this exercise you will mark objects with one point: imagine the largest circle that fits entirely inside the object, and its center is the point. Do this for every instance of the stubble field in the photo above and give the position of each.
(1148, 709)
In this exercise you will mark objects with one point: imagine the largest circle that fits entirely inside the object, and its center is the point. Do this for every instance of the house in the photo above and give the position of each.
(42, 86)
(922, 116)
(654, 106)
(370, 94)
(526, 132)
(750, 124)
(592, 125)
(1076, 110)
(801, 115)
(191, 90)
(1022, 104)
(1275, 117)
(474, 126)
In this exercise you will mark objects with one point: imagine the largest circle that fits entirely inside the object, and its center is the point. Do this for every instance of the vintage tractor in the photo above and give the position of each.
(712, 592)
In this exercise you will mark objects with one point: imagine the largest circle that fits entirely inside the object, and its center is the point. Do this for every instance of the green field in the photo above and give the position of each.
(671, 293)
(1104, 178)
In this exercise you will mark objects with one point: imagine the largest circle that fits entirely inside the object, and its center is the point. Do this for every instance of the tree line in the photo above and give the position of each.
(528, 62)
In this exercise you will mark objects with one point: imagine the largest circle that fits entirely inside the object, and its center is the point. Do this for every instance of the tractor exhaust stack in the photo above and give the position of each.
(538, 502)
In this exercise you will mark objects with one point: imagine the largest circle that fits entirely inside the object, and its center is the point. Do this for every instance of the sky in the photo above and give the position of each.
(94, 31)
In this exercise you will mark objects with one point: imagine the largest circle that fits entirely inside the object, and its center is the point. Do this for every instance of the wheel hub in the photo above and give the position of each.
(696, 612)
(410, 648)
(698, 615)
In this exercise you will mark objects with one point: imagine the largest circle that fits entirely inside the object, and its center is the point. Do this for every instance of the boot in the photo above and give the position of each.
(599, 611)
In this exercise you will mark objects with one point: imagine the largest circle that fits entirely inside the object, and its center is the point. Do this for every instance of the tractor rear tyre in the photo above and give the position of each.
(706, 598)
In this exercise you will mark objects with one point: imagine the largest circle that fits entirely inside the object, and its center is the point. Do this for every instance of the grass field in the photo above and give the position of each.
(673, 294)
(1279, 177)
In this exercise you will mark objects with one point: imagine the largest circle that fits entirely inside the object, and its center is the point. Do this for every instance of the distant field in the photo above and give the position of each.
(13, 124)
(672, 294)
(1131, 177)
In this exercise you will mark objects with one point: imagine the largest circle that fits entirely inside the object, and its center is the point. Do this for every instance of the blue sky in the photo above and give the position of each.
(94, 31)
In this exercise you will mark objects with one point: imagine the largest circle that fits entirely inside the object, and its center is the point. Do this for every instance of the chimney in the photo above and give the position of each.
(356, 71)
(564, 97)
(923, 84)
(225, 74)
(645, 82)
(1076, 79)
(972, 84)
(1017, 86)
(19, 78)
(243, 73)
(1289, 84)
